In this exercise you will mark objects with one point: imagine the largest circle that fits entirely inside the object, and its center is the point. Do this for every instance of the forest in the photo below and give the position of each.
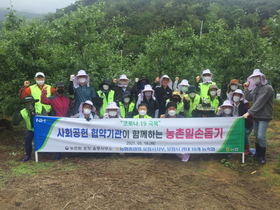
(141, 38)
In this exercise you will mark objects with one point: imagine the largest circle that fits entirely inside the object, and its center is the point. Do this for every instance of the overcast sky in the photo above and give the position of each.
(36, 6)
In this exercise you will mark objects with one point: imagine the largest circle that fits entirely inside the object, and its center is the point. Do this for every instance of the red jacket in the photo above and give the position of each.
(60, 103)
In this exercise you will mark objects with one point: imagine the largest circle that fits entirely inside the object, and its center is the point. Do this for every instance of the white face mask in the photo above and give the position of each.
(142, 112)
(82, 80)
(192, 95)
(126, 100)
(184, 88)
(113, 113)
(227, 111)
(233, 87)
(148, 93)
(105, 87)
(40, 82)
(172, 113)
(257, 80)
(213, 93)
(207, 79)
(236, 98)
(87, 111)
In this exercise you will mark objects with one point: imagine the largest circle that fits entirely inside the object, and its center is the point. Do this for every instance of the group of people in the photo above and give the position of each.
(161, 99)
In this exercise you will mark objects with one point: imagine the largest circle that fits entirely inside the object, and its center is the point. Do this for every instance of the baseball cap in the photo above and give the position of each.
(39, 74)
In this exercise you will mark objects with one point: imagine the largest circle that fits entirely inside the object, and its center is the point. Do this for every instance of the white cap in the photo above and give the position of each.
(39, 74)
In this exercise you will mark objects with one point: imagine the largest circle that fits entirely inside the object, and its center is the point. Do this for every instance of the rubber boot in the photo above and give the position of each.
(28, 152)
(247, 151)
(57, 156)
(262, 155)
(256, 155)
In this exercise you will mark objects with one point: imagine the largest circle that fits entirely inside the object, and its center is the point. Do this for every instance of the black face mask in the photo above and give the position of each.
(176, 99)
(60, 91)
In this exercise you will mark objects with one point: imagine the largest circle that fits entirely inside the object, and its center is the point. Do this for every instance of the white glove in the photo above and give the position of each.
(219, 92)
(72, 77)
(245, 116)
(136, 79)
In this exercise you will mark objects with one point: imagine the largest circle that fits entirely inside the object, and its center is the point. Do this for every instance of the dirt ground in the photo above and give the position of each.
(103, 181)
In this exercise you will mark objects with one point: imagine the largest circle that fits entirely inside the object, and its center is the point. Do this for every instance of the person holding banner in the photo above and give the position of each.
(257, 90)
(80, 87)
(112, 111)
(127, 107)
(142, 110)
(240, 107)
(171, 108)
(27, 114)
(87, 111)
(181, 105)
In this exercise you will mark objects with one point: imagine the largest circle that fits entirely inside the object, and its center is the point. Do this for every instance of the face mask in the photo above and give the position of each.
(176, 99)
(142, 112)
(148, 93)
(126, 100)
(113, 113)
(40, 82)
(236, 98)
(227, 111)
(87, 111)
(192, 95)
(207, 79)
(105, 87)
(213, 93)
(233, 87)
(60, 91)
(171, 113)
(82, 80)
(29, 107)
(256, 80)
(184, 88)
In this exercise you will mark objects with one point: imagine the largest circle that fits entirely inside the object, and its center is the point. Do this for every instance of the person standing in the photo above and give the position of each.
(122, 87)
(27, 114)
(127, 107)
(80, 87)
(203, 87)
(163, 92)
(36, 89)
(257, 90)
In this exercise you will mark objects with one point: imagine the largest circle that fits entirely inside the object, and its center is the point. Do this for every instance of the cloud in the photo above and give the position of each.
(36, 6)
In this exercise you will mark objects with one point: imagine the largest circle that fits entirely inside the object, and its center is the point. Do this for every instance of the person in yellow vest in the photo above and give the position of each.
(36, 90)
(142, 111)
(203, 86)
(127, 107)
(27, 114)
(214, 97)
(181, 105)
(107, 95)
(193, 100)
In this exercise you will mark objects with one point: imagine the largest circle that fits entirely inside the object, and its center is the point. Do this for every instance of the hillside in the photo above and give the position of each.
(28, 15)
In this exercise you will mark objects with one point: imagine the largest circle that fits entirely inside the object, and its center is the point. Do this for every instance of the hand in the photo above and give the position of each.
(246, 85)
(72, 77)
(186, 98)
(162, 116)
(45, 87)
(136, 79)
(115, 81)
(219, 92)
(177, 78)
(26, 83)
(157, 79)
(245, 116)
(219, 111)
(197, 78)
(106, 116)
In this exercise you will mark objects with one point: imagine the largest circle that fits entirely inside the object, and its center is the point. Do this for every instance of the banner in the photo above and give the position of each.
(156, 135)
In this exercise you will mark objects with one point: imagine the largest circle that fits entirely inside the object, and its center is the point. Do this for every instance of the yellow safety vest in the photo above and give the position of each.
(36, 92)
(145, 116)
(204, 89)
(25, 116)
(111, 94)
(193, 104)
(215, 102)
(122, 109)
